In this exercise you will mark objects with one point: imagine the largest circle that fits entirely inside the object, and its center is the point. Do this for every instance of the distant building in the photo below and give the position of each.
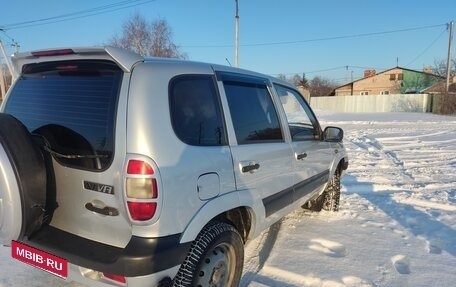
(397, 80)
(440, 87)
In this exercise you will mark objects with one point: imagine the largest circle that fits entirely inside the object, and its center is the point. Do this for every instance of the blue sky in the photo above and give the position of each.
(286, 36)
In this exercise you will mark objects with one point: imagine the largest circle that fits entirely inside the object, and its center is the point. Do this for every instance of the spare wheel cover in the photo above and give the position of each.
(23, 181)
(10, 201)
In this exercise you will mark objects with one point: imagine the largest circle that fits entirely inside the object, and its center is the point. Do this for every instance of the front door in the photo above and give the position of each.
(312, 156)
(261, 157)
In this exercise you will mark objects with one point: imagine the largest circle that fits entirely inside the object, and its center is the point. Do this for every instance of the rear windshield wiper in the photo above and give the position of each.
(72, 156)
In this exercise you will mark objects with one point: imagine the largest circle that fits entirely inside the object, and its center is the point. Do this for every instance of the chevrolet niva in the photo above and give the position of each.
(119, 170)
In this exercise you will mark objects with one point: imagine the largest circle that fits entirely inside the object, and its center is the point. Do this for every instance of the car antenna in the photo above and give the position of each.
(228, 62)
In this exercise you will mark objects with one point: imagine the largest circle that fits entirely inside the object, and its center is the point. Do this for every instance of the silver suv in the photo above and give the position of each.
(117, 170)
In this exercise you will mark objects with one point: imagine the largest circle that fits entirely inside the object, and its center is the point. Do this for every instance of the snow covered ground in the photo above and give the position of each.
(396, 225)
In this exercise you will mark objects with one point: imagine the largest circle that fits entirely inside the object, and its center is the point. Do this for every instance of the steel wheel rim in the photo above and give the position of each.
(217, 268)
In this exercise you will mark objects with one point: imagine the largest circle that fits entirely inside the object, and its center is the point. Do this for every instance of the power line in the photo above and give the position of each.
(427, 48)
(325, 70)
(7, 36)
(331, 69)
(11, 41)
(65, 15)
(76, 15)
(323, 39)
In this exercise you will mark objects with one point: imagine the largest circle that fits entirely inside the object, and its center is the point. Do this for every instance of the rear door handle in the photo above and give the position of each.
(250, 167)
(107, 210)
(301, 156)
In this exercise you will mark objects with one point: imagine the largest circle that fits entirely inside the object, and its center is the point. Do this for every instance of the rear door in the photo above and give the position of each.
(312, 157)
(70, 107)
(261, 157)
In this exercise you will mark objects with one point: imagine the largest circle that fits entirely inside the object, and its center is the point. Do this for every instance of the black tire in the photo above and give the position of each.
(215, 259)
(316, 204)
(332, 194)
(329, 199)
(22, 181)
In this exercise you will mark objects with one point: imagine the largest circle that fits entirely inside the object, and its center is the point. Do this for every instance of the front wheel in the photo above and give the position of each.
(214, 260)
(332, 194)
(329, 199)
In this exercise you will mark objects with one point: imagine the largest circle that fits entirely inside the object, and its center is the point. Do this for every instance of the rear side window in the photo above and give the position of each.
(71, 105)
(253, 113)
(196, 113)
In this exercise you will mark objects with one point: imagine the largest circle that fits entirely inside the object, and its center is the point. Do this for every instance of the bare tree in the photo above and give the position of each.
(296, 80)
(320, 87)
(299, 81)
(147, 39)
(445, 102)
(317, 87)
(162, 44)
(6, 80)
(440, 68)
(282, 77)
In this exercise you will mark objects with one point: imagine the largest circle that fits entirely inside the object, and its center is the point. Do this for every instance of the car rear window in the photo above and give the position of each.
(71, 105)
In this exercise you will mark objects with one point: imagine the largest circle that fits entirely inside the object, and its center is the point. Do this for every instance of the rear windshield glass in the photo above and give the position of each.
(71, 106)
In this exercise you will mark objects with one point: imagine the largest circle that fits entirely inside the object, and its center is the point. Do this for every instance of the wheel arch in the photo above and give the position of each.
(241, 216)
(343, 165)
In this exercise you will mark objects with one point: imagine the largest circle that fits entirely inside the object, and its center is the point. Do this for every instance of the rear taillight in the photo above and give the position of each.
(142, 211)
(139, 167)
(117, 278)
(141, 190)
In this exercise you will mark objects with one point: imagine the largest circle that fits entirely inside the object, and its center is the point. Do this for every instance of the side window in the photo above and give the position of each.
(301, 121)
(253, 113)
(196, 113)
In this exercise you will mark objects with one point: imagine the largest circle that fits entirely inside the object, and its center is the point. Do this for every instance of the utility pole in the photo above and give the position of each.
(2, 82)
(351, 84)
(346, 74)
(7, 60)
(16, 47)
(236, 37)
(2, 75)
(450, 43)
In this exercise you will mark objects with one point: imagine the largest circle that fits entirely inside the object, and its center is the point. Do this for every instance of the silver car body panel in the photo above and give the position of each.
(10, 201)
(150, 133)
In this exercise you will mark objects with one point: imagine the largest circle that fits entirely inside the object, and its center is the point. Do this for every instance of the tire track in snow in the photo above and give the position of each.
(383, 160)
(418, 155)
(426, 161)
(426, 153)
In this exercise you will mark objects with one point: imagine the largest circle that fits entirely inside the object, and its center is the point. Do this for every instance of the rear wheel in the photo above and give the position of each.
(215, 259)
(22, 181)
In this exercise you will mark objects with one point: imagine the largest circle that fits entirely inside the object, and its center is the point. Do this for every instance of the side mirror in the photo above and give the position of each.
(333, 134)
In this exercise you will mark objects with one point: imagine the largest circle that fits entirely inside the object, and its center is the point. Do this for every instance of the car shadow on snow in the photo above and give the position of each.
(440, 237)
(260, 255)
(268, 281)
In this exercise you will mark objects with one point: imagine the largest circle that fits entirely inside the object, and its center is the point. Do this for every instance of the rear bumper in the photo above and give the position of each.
(141, 256)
